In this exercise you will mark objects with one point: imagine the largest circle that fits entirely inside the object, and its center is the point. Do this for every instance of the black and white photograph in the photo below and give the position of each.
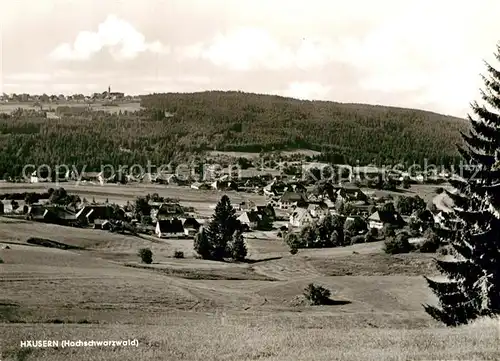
(222, 180)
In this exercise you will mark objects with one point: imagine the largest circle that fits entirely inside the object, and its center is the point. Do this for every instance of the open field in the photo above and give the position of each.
(250, 155)
(10, 107)
(191, 309)
(203, 200)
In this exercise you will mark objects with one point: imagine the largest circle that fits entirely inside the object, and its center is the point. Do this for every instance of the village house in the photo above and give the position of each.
(300, 217)
(103, 224)
(318, 209)
(8, 206)
(250, 219)
(224, 185)
(191, 226)
(246, 206)
(166, 211)
(380, 219)
(267, 211)
(96, 177)
(88, 214)
(166, 228)
(352, 195)
(200, 186)
(291, 199)
(51, 214)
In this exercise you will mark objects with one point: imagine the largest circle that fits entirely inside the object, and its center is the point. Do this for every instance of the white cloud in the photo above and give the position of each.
(120, 37)
(249, 48)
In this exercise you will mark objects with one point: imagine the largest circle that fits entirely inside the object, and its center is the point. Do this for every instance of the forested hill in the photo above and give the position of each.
(348, 132)
(174, 126)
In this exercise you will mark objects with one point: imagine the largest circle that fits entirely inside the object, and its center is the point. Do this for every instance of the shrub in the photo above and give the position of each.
(439, 190)
(431, 243)
(317, 295)
(358, 239)
(293, 241)
(1, 260)
(293, 250)
(146, 255)
(397, 244)
(388, 231)
(371, 235)
(178, 254)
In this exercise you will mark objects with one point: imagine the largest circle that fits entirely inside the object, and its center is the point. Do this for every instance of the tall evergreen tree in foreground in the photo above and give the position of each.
(214, 241)
(472, 286)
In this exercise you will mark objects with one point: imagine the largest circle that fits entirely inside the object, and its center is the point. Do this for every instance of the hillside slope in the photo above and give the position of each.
(235, 121)
(349, 132)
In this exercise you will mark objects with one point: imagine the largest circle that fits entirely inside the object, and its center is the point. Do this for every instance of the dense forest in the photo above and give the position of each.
(175, 126)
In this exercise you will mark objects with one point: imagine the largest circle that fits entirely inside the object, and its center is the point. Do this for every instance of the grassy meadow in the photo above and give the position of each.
(192, 309)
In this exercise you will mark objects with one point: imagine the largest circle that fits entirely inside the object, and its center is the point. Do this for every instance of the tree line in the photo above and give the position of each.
(173, 127)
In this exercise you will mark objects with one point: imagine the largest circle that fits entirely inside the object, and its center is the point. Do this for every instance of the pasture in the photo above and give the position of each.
(192, 309)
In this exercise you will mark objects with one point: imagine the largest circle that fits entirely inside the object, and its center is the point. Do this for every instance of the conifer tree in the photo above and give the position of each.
(238, 247)
(202, 244)
(472, 288)
(221, 228)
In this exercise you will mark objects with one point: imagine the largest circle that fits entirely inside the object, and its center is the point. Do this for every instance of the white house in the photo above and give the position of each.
(318, 209)
(300, 217)
(34, 177)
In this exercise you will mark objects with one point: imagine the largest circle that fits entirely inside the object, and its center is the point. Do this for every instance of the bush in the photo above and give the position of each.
(439, 190)
(146, 255)
(178, 254)
(293, 250)
(398, 244)
(1, 260)
(388, 231)
(317, 295)
(358, 239)
(431, 243)
(371, 235)
(293, 241)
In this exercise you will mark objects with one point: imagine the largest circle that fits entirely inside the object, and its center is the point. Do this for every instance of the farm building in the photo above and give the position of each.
(90, 213)
(103, 224)
(167, 211)
(169, 228)
(250, 219)
(380, 219)
(290, 199)
(191, 226)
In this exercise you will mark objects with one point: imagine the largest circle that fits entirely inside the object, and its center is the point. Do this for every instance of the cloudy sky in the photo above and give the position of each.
(421, 54)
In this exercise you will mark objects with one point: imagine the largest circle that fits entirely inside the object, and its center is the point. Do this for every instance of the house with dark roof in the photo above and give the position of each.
(89, 213)
(103, 224)
(191, 226)
(169, 228)
(51, 214)
(267, 211)
(380, 219)
(290, 199)
(167, 211)
(250, 219)
(351, 194)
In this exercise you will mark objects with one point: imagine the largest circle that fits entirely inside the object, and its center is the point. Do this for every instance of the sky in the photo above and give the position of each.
(415, 54)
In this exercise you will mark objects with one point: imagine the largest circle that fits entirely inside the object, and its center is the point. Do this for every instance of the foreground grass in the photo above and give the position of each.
(222, 337)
